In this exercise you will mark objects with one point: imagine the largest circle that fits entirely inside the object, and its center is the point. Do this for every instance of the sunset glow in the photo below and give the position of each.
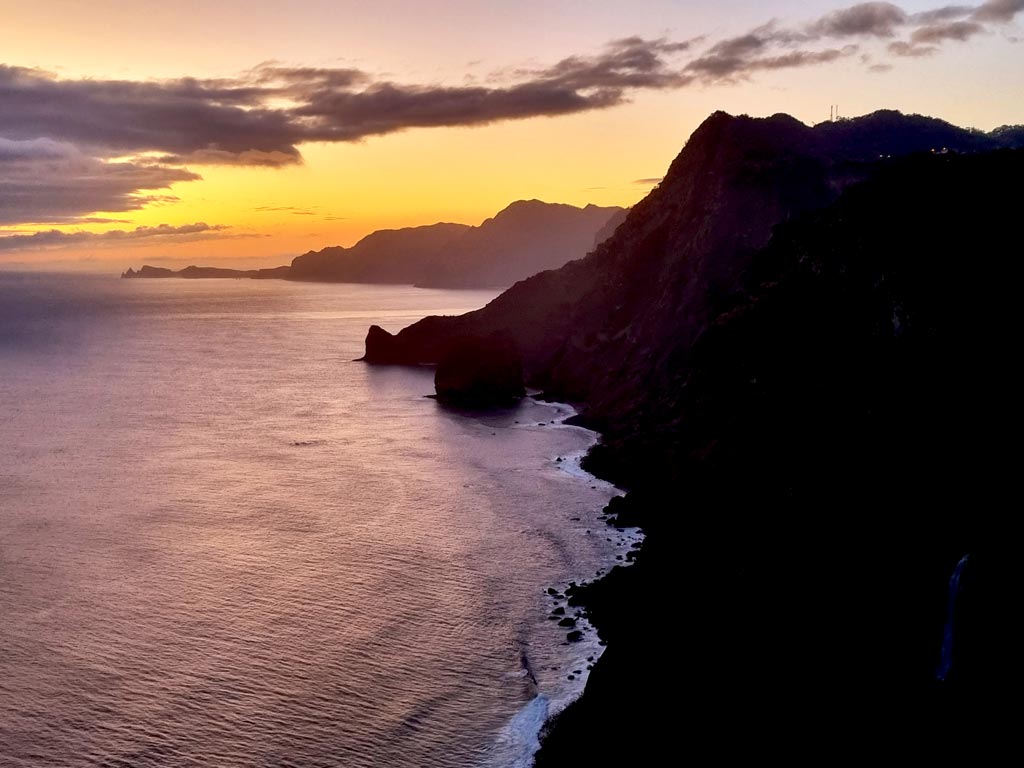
(565, 102)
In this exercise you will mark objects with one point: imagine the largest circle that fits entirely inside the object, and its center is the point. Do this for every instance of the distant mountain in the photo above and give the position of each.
(386, 256)
(527, 237)
(194, 272)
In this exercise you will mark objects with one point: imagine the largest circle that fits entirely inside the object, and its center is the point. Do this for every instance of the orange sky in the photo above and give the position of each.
(341, 190)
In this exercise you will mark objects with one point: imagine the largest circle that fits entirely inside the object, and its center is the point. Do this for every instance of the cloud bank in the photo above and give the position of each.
(56, 238)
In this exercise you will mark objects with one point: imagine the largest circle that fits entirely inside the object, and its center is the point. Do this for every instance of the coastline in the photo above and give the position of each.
(622, 605)
(525, 732)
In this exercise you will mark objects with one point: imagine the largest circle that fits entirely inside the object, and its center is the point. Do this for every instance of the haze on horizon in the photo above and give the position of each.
(245, 134)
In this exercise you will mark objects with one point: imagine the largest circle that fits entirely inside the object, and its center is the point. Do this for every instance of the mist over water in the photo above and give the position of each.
(223, 543)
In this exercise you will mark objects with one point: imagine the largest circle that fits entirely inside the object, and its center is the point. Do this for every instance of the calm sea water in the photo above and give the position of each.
(223, 543)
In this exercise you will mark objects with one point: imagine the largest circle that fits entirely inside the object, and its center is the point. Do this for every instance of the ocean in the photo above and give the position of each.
(224, 543)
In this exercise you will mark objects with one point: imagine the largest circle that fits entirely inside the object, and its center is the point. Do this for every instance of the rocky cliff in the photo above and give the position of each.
(799, 349)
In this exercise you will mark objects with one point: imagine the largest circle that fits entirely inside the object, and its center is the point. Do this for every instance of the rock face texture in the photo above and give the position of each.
(799, 350)
(481, 372)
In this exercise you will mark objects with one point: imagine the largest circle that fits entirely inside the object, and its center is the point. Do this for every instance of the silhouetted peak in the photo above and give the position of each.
(533, 207)
(524, 204)
(723, 138)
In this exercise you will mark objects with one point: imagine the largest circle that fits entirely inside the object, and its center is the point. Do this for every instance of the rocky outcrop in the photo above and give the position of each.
(195, 273)
(480, 372)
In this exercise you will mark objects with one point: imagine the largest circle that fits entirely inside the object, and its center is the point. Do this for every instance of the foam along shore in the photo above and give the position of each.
(519, 740)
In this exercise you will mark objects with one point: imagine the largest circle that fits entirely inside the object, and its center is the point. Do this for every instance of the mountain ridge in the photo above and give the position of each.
(525, 237)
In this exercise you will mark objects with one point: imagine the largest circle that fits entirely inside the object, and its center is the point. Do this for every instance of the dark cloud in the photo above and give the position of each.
(950, 30)
(901, 48)
(388, 107)
(631, 62)
(802, 58)
(302, 78)
(55, 238)
(574, 84)
(260, 119)
(45, 181)
(864, 19)
(945, 13)
(998, 11)
(771, 47)
(286, 209)
(649, 182)
(114, 117)
(731, 57)
(732, 60)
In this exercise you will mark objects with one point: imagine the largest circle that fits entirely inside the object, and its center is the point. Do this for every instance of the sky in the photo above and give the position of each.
(245, 133)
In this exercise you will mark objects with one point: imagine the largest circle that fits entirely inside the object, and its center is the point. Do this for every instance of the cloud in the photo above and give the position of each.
(55, 238)
(998, 11)
(945, 13)
(771, 46)
(649, 182)
(739, 57)
(294, 210)
(864, 19)
(909, 50)
(574, 84)
(110, 118)
(950, 30)
(46, 181)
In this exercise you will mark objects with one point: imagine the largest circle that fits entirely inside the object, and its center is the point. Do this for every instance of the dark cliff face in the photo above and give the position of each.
(801, 357)
(831, 454)
(610, 329)
(481, 372)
